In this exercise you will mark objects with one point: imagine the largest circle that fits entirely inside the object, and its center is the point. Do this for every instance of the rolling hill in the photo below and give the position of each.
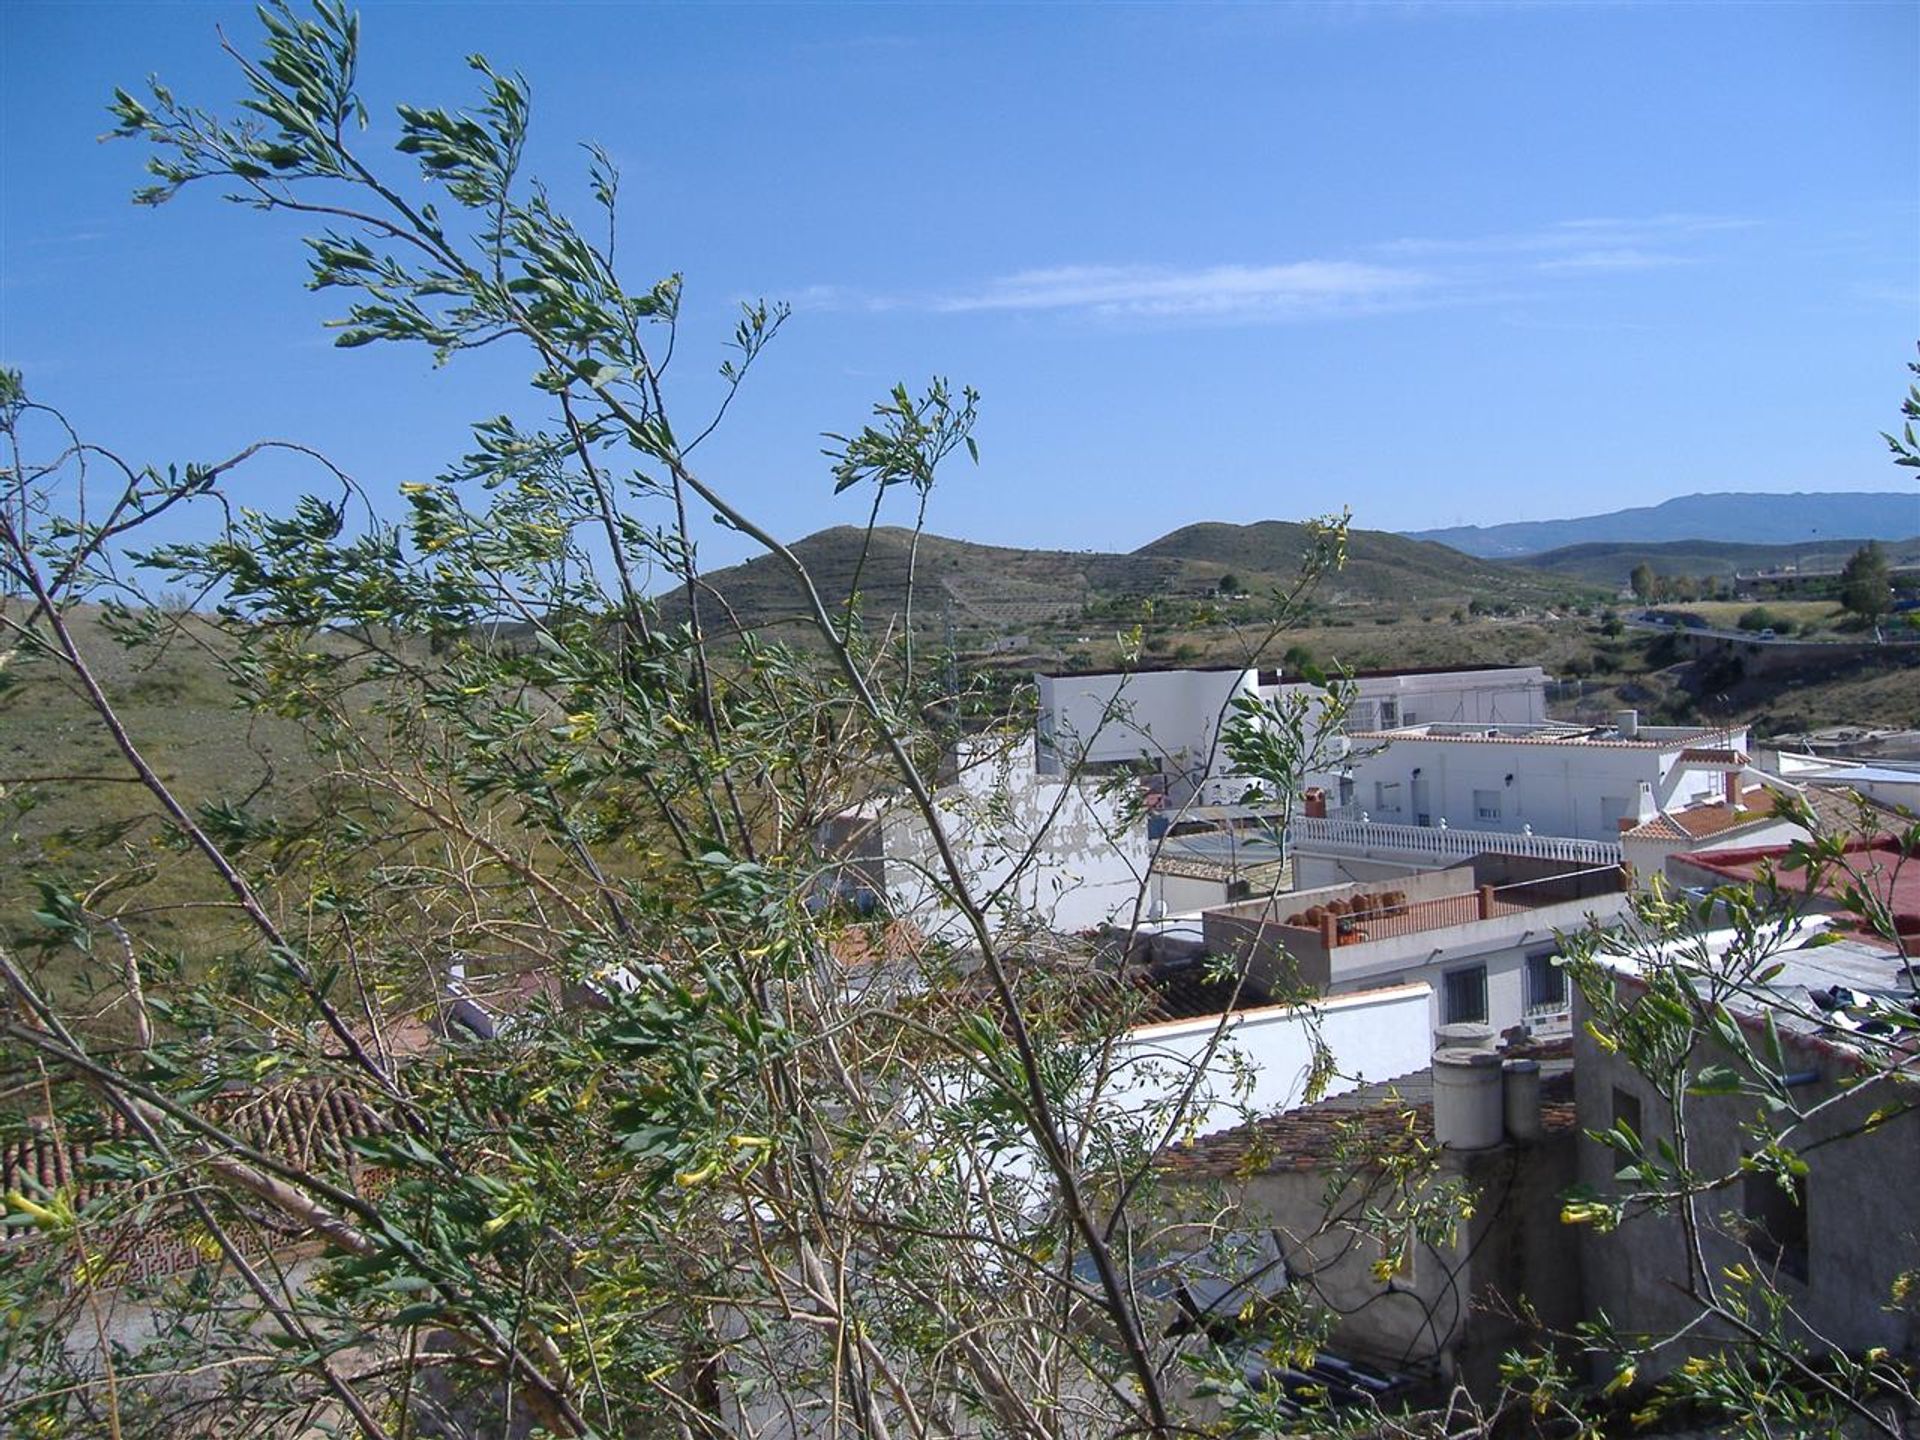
(999, 586)
(1740, 517)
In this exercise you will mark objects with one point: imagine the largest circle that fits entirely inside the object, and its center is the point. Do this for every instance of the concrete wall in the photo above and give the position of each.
(1454, 1310)
(1086, 869)
(1263, 1058)
(1515, 696)
(1862, 1224)
(1169, 718)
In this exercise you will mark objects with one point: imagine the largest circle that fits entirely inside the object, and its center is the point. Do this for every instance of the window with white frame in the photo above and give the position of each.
(1486, 804)
(1389, 712)
(1386, 797)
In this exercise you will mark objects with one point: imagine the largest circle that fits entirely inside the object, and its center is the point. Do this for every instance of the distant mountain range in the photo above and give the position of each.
(1736, 516)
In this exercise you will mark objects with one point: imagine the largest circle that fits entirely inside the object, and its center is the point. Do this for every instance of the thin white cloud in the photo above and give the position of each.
(1648, 234)
(1592, 261)
(1301, 289)
(1400, 275)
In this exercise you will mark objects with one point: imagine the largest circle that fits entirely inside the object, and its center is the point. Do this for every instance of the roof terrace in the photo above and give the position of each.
(1345, 932)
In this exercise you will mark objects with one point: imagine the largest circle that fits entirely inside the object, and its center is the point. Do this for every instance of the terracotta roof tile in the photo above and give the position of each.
(1705, 755)
(1697, 823)
(309, 1125)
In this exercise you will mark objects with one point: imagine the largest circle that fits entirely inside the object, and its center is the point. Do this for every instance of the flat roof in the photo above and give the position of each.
(1468, 733)
(1894, 878)
(1243, 669)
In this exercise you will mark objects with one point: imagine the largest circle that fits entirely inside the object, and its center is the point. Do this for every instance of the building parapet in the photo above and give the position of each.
(1368, 838)
(1357, 931)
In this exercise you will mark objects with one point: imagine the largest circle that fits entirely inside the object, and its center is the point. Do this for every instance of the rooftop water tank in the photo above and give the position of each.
(1469, 1104)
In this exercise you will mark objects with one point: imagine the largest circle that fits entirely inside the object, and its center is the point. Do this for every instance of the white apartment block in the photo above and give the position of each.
(1536, 779)
(1168, 722)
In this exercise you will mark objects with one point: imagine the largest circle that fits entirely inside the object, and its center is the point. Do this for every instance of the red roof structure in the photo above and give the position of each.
(1882, 866)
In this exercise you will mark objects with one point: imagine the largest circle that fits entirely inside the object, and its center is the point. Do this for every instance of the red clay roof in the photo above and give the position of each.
(1894, 878)
(1697, 823)
(1705, 755)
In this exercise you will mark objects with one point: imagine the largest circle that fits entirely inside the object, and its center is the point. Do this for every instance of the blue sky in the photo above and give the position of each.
(1444, 263)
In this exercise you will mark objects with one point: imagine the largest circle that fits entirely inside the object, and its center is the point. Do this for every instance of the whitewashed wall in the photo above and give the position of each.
(1265, 1056)
(1087, 859)
(1171, 716)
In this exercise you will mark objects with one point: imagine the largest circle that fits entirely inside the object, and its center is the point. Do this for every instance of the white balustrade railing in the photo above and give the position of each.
(1312, 833)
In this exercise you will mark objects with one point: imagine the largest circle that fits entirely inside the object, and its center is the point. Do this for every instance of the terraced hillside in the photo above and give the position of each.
(1610, 562)
(998, 587)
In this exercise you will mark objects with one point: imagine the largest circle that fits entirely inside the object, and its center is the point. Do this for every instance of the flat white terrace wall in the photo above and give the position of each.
(1169, 717)
(1035, 849)
(1265, 1058)
(1500, 696)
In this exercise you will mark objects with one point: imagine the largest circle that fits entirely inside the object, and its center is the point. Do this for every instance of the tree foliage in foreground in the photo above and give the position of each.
(716, 1180)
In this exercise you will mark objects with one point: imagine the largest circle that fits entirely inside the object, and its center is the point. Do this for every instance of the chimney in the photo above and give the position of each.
(1735, 791)
(1627, 722)
(1468, 1099)
(1522, 1091)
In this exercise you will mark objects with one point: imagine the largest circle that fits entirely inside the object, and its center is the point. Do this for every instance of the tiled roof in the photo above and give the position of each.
(1374, 1119)
(309, 1125)
(878, 944)
(1706, 755)
(1697, 823)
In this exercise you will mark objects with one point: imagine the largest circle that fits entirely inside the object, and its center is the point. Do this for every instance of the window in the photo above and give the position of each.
(1389, 713)
(1486, 804)
(1386, 798)
(1465, 995)
(1776, 1228)
(1546, 984)
(1626, 1111)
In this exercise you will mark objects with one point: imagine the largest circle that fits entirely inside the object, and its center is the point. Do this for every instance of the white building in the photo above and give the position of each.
(1163, 722)
(1035, 850)
(1887, 782)
(1537, 779)
(1482, 935)
(1449, 694)
(1168, 722)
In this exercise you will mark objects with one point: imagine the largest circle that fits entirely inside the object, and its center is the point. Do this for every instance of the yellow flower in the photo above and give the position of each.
(1621, 1381)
